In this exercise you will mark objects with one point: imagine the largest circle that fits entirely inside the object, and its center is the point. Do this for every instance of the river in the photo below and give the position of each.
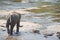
(45, 18)
(9, 5)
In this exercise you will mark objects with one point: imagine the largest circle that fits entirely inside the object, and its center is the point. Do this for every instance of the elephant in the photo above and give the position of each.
(12, 20)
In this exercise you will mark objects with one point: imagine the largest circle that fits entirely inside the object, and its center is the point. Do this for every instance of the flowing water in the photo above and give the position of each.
(45, 18)
(8, 5)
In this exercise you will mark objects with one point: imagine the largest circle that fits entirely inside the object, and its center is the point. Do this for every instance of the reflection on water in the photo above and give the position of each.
(12, 37)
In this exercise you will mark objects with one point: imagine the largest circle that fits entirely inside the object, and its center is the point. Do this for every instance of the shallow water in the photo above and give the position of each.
(45, 19)
(9, 5)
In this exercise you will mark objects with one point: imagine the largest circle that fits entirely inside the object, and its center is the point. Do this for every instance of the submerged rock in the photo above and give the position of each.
(49, 34)
(58, 34)
(36, 31)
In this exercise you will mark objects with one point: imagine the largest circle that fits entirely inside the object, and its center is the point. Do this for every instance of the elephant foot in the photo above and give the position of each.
(17, 32)
(8, 32)
(11, 33)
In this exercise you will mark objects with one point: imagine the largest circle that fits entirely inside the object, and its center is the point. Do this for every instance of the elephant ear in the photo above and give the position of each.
(8, 16)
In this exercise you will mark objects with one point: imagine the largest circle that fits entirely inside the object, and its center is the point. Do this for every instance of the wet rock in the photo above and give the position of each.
(58, 34)
(3, 30)
(2, 25)
(21, 26)
(46, 35)
(36, 31)
(49, 34)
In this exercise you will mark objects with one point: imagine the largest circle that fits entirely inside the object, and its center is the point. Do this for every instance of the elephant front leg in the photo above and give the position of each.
(7, 26)
(17, 30)
(8, 31)
(11, 29)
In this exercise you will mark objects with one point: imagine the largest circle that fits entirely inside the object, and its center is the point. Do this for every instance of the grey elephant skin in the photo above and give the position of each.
(13, 19)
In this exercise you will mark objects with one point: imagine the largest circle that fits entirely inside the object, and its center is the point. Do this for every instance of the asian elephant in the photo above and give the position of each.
(12, 20)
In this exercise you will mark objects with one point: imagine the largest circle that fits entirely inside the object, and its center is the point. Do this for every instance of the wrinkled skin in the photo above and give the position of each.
(13, 20)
